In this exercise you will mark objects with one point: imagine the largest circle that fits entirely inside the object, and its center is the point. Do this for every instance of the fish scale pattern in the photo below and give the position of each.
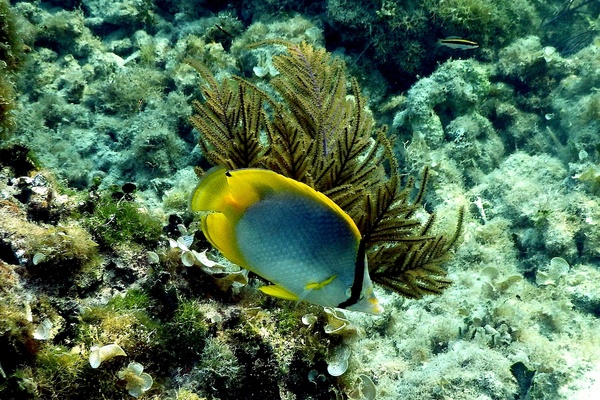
(285, 236)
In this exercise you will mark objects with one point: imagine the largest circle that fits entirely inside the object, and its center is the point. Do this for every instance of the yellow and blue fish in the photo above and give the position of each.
(289, 234)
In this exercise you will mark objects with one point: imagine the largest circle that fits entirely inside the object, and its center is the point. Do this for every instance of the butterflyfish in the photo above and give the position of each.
(289, 234)
(455, 42)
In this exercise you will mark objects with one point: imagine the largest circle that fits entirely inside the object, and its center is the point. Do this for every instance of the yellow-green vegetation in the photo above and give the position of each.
(147, 53)
(11, 55)
(117, 219)
(320, 136)
(255, 347)
(58, 255)
(134, 299)
(186, 332)
(185, 394)
(591, 176)
(7, 95)
(591, 108)
(399, 37)
(11, 51)
(124, 321)
(58, 371)
(17, 345)
(63, 249)
(495, 21)
(130, 89)
(217, 370)
(64, 373)
(174, 322)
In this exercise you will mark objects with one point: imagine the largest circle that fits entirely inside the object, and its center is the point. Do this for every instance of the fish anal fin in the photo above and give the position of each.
(278, 291)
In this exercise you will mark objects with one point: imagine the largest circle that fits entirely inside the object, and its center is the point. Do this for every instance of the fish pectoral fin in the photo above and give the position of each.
(278, 291)
(315, 286)
(319, 285)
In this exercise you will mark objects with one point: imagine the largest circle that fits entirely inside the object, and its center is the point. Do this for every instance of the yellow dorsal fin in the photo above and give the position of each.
(243, 187)
(278, 291)
(221, 191)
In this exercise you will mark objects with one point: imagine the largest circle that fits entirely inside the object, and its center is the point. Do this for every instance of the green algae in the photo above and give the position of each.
(63, 249)
(115, 219)
(134, 299)
(12, 53)
(186, 332)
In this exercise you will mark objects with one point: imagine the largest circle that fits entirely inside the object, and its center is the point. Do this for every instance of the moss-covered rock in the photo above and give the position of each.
(116, 218)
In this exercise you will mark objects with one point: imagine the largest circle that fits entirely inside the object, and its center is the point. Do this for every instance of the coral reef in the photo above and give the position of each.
(77, 104)
(400, 37)
(95, 178)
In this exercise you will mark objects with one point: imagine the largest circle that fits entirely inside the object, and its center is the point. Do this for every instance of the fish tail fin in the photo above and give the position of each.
(212, 191)
(212, 195)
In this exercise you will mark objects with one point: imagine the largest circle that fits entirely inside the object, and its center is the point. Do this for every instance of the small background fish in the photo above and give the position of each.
(455, 42)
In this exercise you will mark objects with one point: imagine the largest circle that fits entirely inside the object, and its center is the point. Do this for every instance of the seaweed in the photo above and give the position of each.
(12, 50)
(320, 136)
(116, 218)
(570, 28)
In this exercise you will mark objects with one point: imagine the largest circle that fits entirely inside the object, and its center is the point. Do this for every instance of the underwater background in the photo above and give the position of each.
(106, 287)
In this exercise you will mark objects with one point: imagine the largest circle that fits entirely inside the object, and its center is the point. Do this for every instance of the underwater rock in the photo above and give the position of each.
(455, 88)
(39, 197)
(128, 13)
(551, 274)
(583, 286)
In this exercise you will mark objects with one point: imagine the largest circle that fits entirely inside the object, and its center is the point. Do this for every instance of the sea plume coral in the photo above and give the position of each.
(321, 136)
